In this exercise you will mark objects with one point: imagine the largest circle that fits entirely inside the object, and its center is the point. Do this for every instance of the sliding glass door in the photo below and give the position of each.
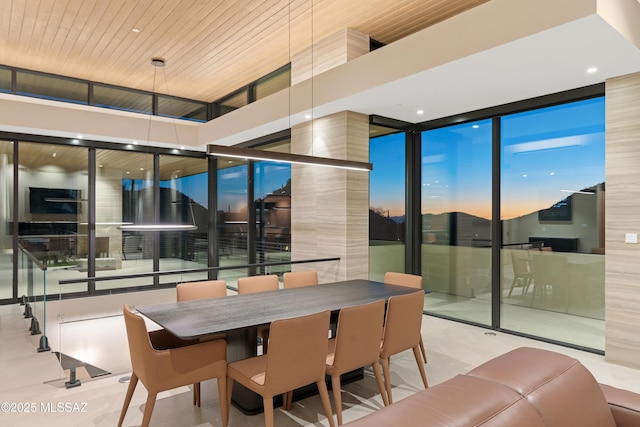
(456, 220)
(552, 211)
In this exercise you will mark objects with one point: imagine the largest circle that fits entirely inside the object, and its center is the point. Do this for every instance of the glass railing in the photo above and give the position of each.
(32, 282)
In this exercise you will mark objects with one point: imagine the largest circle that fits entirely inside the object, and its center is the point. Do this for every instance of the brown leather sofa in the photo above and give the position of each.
(526, 387)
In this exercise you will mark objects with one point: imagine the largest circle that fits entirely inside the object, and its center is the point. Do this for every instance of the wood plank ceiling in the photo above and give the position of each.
(211, 47)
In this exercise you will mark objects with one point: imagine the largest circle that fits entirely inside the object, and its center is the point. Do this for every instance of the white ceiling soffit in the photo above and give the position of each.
(544, 63)
(552, 60)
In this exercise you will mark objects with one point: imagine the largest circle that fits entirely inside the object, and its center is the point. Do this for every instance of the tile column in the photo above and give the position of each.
(622, 204)
(330, 206)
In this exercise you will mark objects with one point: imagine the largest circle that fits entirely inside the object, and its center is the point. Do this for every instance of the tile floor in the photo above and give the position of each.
(37, 381)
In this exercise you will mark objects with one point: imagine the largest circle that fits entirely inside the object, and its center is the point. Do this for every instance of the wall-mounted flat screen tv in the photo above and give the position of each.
(53, 200)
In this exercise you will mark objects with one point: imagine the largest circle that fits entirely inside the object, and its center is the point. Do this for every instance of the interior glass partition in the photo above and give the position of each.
(456, 220)
(183, 202)
(124, 198)
(53, 209)
(387, 201)
(6, 211)
(552, 211)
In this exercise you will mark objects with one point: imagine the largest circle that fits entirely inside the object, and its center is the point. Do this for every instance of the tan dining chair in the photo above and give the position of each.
(296, 358)
(297, 279)
(522, 271)
(551, 276)
(356, 345)
(253, 284)
(201, 290)
(402, 332)
(162, 362)
(204, 289)
(411, 281)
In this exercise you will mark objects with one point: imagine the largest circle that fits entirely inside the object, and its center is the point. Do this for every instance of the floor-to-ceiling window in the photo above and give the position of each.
(232, 217)
(552, 211)
(183, 204)
(512, 216)
(456, 220)
(53, 211)
(387, 203)
(124, 200)
(272, 204)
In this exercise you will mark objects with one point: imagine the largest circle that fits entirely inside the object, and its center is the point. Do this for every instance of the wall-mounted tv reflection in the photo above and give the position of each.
(561, 211)
(53, 200)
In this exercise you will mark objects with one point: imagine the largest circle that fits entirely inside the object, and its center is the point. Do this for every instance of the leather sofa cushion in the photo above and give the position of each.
(624, 405)
(561, 389)
(463, 401)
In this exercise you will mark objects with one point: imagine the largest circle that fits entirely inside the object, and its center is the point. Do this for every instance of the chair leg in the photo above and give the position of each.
(148, 409)
(287, 400)
(324, 395)
(378, 373)
(387, 378)
(222, 398)
(229, 393)
(267, 402)
(337, 396)
(196, 394)
(416, 353)
(264, 334)
(424, 353)
(513, 284)
(127, 399)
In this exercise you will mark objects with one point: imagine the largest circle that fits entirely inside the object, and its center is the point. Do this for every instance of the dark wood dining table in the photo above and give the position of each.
(239, 316)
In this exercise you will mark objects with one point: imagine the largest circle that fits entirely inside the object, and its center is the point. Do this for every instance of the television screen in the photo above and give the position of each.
(53, 200)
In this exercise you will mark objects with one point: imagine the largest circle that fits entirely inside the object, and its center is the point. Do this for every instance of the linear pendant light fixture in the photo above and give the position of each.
(253, 154)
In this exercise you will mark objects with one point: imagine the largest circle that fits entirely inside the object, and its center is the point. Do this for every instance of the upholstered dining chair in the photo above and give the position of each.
(296, 358)
(402, 332)
(522, 271)
(252, 284)
(200, 290)
(356, 345)
(411, 281)
(189, 291)
(296, 279)
(162, 362)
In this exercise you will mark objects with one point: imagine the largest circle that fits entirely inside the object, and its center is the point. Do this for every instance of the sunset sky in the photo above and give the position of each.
(546, 154)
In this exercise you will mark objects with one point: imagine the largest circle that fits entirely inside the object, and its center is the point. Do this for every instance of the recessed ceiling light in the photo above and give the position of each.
(592, 70)
(135, 30)
(307, 116)
(475, 126)
(100, 166)
(54, 154)
(420, 112)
